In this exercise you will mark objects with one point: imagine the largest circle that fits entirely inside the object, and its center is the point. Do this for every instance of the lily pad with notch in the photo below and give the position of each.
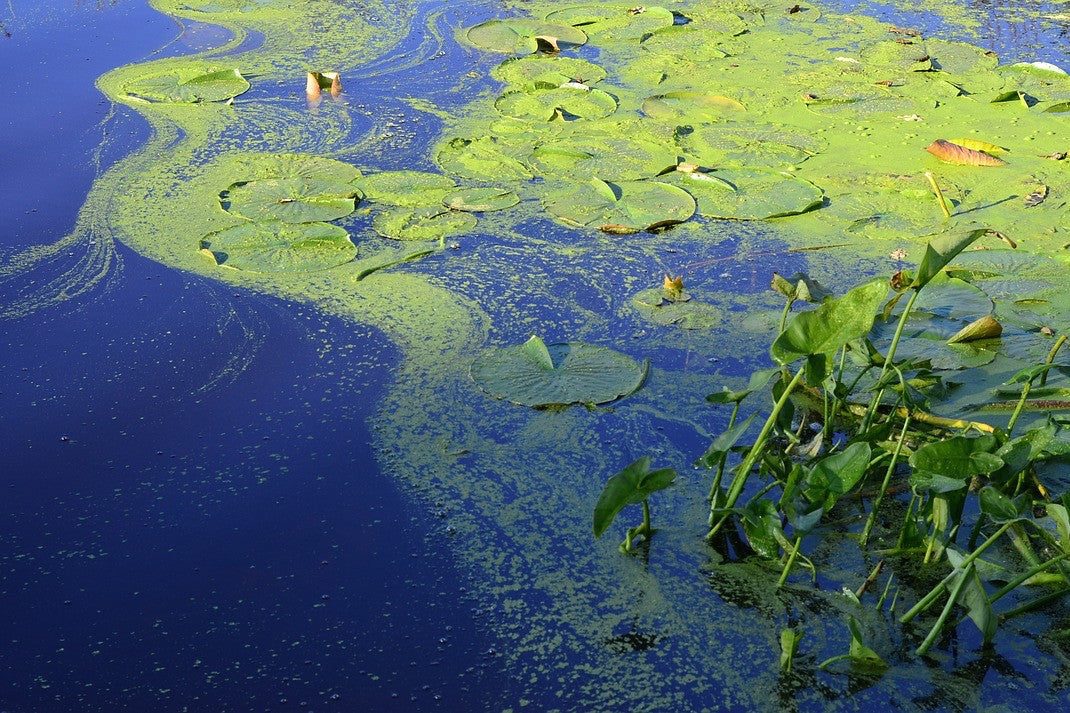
(406, 188)
(422, 223)
(524, 36)
(748, 194)
(487, 158)
(613, 23)
(623, 207)
(272, 246)
(189, 86)
(733, 144)
(540, 375)
(654, 306)
(550, 103)
(611, 158)
(480, 200)
(293, 200)
(553, 70)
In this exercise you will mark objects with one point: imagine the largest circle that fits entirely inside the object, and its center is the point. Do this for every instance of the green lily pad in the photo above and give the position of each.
(627, 206)
(722, 145)
(654, 307)
(484, 159)
(190, 86)
(422, 223)
(691, 107)
(480, 200)
(749, 194)
(267, 165)
(960, 58)
(898, 57)
(536, 374)
(293, 200)
(406, 188)
(612, 23)
(541, 69)
(620, 158)
(277, 247)
(544, 104)
(520, 36)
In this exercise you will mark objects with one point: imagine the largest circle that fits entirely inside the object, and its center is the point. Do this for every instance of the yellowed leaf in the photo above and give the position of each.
(953, 153)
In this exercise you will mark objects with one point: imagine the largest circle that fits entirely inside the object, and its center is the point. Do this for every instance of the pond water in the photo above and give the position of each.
(222, 492)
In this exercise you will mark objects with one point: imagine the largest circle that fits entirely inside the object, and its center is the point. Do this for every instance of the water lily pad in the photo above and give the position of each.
(480, 200)
(407, 188)
(722, 145)
(277, 247)
(566, 102)
(294, 200)
(691, 107)
(536, 374)
(268, 165)
(891, 56)
(619, 158)
(627, 206)
(654, 307)
(521, 36)
(542, 69)
(749, 194)
(190, 86)
(484, 159)
(611, 23)
(422, 223)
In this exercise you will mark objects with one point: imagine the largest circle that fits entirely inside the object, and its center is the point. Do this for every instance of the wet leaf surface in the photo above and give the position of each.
(275, 247)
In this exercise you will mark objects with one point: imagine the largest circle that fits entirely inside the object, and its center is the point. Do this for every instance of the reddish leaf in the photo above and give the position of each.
(953, 153)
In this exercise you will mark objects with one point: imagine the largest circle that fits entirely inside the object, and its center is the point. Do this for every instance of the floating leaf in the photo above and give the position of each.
(982, 146)
(546, 104)
(749, 194)
(610, 23)
(721, 145)
(536, 374)
(953, 153)
(406, 188)
(691, 107)
(520, 36)
(1036, 197)
(422, 222)
(293, 200)
(277, 247)
(684, 313)
(541, 70)
(480, 200)
(190, 86)
(630, 486)
(631, 205)
(836, 322)
(484, 159)
(610, 158)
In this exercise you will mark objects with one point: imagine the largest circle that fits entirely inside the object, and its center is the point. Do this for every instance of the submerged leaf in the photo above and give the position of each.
(422, 222)
(563, 374)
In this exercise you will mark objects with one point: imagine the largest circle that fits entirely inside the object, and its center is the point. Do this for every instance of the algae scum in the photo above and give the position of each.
(488, 173)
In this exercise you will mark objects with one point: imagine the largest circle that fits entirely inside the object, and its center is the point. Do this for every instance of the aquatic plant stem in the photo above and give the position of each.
(753, 454)
(633, 532)
(1013, 584)
(884, 484)
(945, 613)
(936, 591)
(868, 419)
(1051, 357)
(715, 487)
(790, 563)
(1029, 384)
(1038, 602)
(939, 194)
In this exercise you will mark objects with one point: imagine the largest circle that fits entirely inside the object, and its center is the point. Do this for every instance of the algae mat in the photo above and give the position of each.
(694, 137)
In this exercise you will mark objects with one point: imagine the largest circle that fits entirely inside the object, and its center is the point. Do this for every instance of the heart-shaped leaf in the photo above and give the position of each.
(632, 485)
(293, 200)
(627, 206)
(276, 247)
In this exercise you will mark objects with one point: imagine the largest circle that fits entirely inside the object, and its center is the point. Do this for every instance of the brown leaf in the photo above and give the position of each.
(547, 43)
(617, 229)
(794, 9)
(953, 153)
(884, 83)
(904, 41)
(685, 167)
(1057, 156)
(908, 31)
(1036, 197)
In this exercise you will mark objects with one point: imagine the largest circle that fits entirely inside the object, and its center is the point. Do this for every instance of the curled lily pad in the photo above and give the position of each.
(408, 188)
(655, 307)
(541, 69)
(520, 36)
(624, 207)
(277, 247)
(485, 159)
(190, 86)
(480, 200)
(749, 194)
(620, 158)
(564, 102)
(422, 223)
(294, 200)
(691, 107)
(609, 23)
(536, 374)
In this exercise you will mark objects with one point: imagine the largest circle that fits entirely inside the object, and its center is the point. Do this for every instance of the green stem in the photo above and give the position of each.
(1011, 585)
(884, 594)
(715, 487)
(942, 619)
(790, 564)
(892, 348)
(936, 591)
(1051, 357)
(1029, 384)
(752, 455)
(1039, 602)
(884, 484)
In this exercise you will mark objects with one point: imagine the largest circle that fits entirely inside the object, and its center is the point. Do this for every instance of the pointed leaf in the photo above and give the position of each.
(634, 484)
